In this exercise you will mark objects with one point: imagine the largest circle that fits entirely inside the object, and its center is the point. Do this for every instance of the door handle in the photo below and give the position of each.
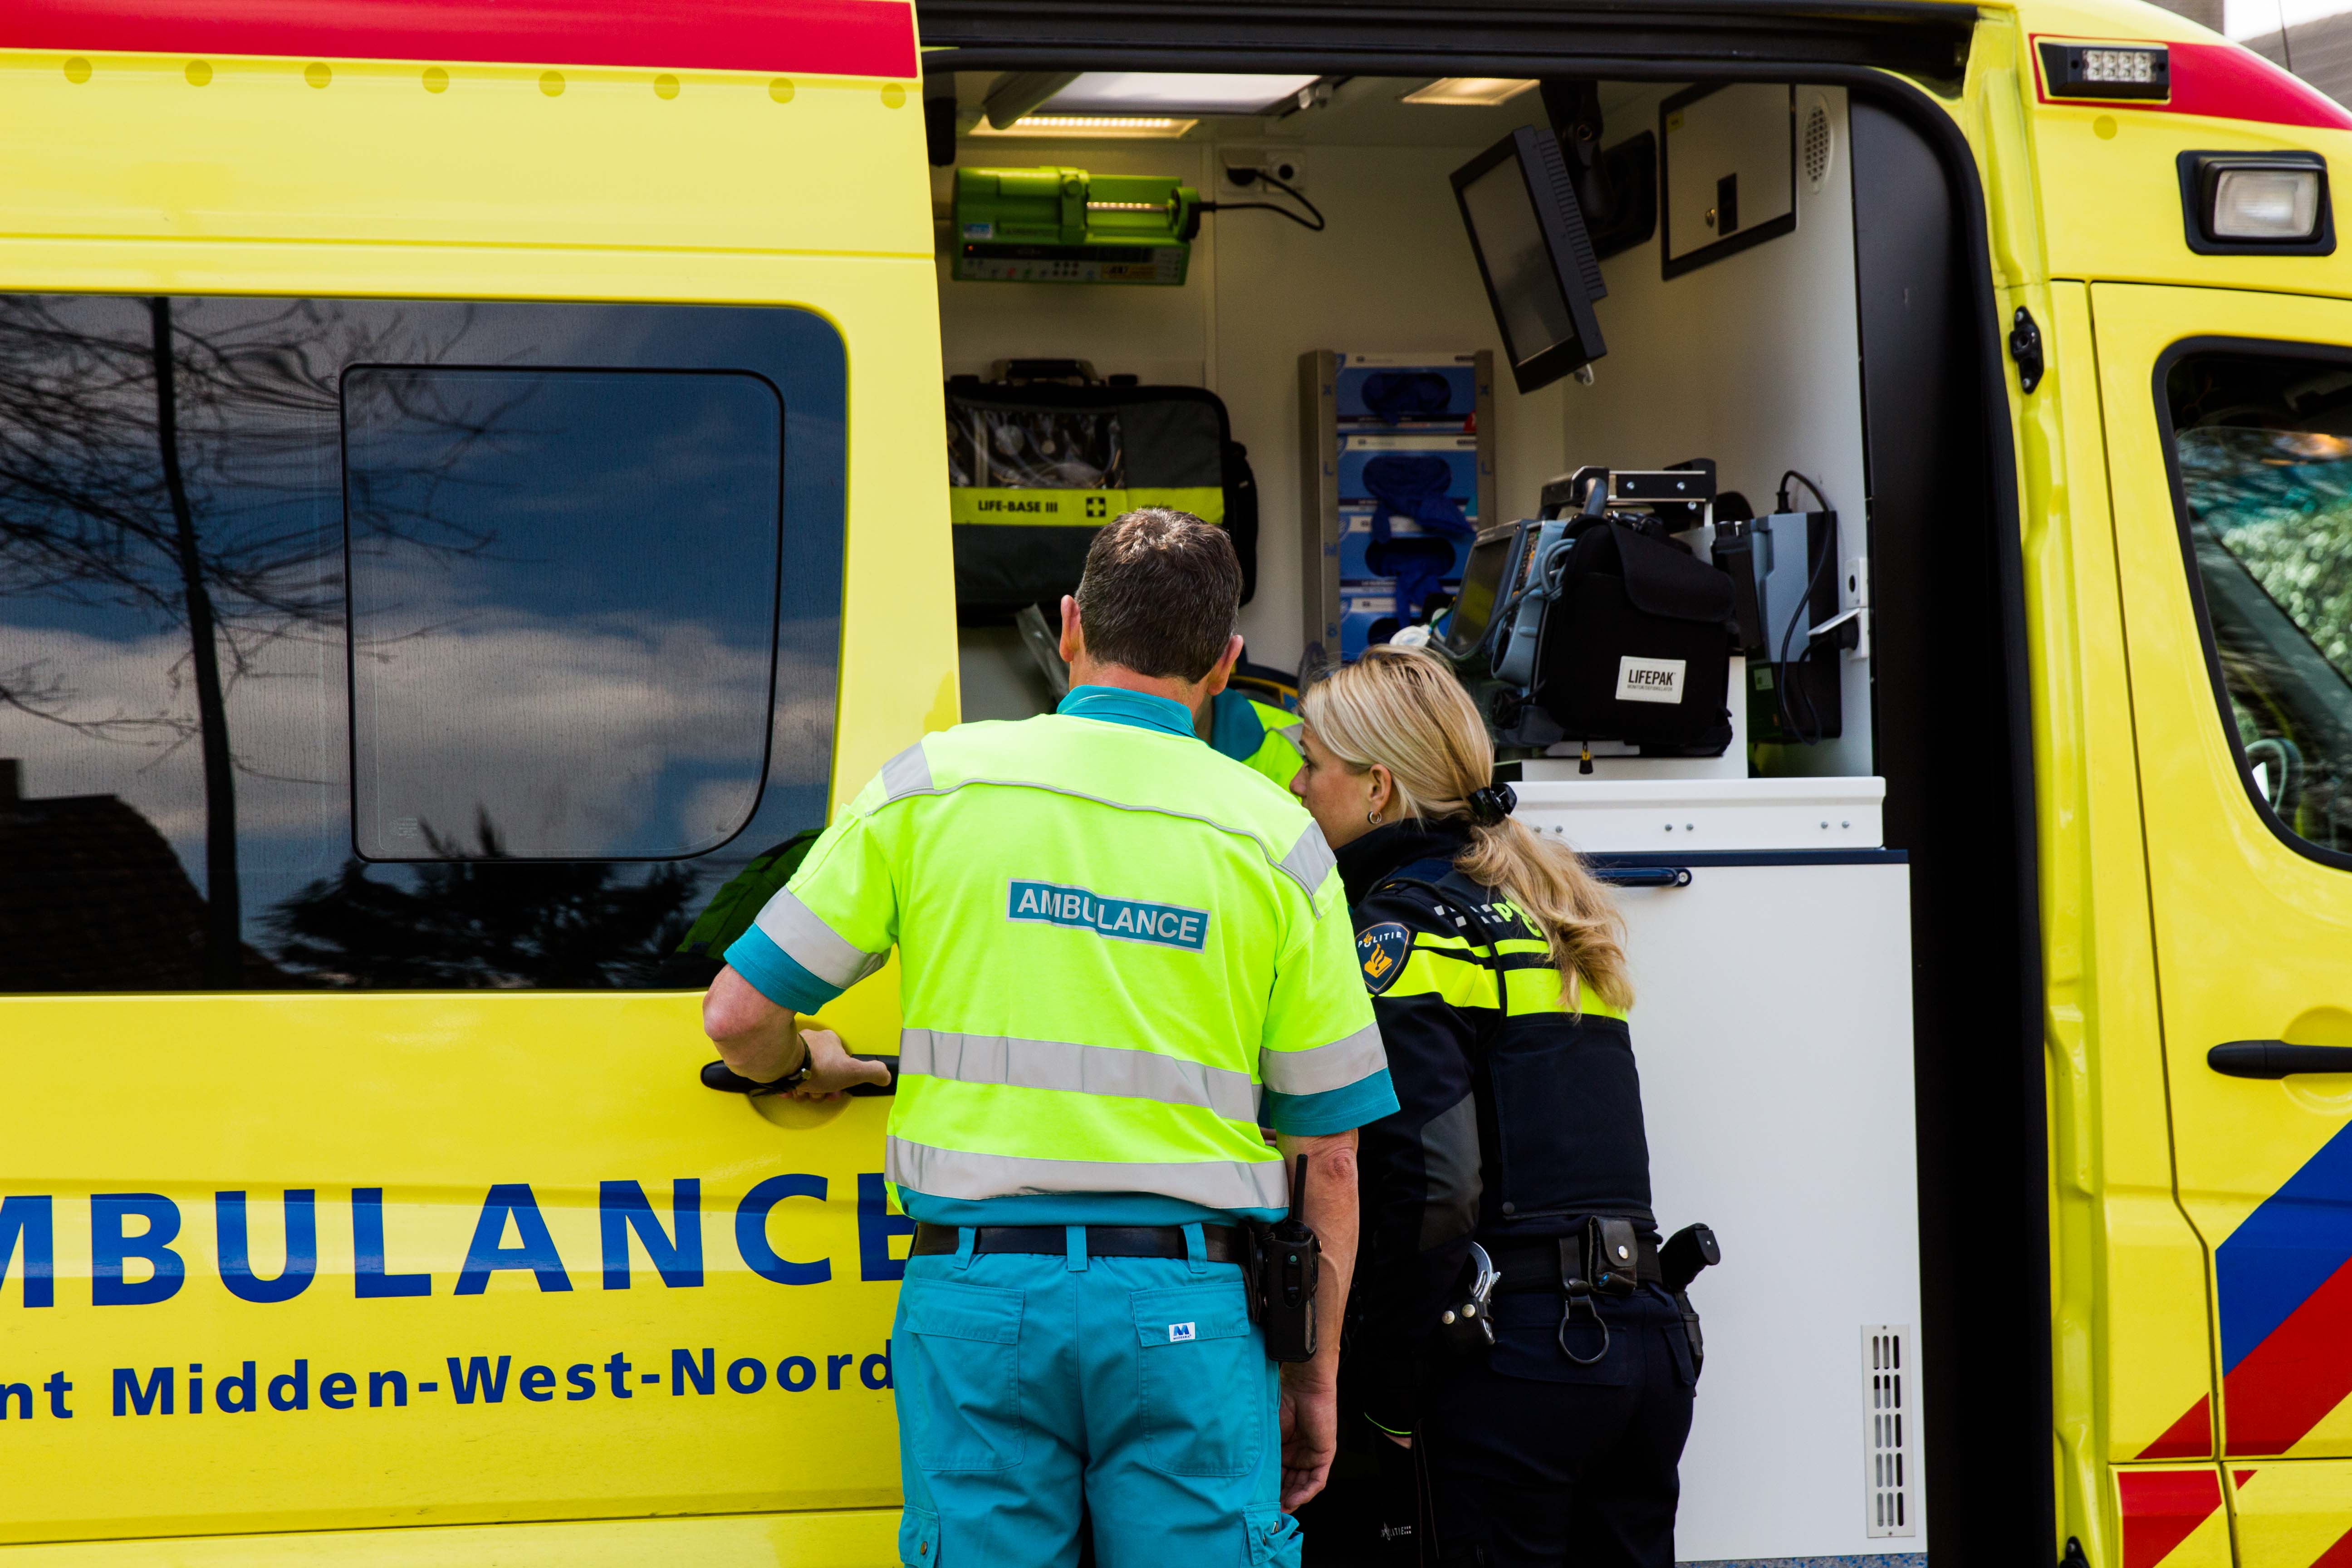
(2276, 1059)
(718, 1076)
(1643, 876)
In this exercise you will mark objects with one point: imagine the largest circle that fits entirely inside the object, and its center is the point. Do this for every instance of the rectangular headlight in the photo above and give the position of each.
(2265, 204)
(2256, 204)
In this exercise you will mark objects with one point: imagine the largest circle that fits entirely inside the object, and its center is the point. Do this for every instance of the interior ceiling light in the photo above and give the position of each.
(1092, 127)
(1470, 91)
(1175, 92)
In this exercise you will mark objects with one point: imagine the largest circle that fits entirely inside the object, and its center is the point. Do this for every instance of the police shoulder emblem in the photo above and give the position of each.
(1382, 950)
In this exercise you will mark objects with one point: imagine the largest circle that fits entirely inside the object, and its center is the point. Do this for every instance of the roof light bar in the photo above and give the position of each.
(2106, 70)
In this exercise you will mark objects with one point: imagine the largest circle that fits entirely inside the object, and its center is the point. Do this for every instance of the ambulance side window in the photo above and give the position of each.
(2263, 456)
(400, 643)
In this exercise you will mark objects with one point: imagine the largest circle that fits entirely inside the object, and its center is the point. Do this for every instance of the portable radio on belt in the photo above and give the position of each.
(1287, 1260)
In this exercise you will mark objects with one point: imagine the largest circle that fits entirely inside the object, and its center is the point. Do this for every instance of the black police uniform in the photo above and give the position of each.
(1520, 1127)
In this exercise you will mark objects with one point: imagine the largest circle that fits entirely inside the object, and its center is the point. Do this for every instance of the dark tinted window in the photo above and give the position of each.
(591, 615)
(2264, 446)
(586, 675)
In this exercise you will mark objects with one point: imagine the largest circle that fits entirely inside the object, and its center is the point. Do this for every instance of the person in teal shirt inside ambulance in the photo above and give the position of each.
(1118, 957)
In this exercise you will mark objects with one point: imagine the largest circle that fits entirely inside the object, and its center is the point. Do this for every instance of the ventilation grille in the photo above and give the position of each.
(1889, 1507)
(1816, 144)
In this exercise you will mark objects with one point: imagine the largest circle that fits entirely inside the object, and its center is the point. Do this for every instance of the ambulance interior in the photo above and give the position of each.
(1823, 352)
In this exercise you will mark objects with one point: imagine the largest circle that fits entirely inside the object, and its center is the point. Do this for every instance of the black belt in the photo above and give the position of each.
(1536, 1264)
(1225, 1241)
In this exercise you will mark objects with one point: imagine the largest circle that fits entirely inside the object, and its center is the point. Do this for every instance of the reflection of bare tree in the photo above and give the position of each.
(176, 461)
(480, 920)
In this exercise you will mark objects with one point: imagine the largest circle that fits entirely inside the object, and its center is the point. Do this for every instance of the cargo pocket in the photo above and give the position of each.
(1205, 1386)
(1273, 1539)
(919, 1539)
(959, 1367)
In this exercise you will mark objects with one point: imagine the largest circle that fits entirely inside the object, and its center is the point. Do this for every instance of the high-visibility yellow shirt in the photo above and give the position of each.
(1117, 957)
(1256, 735)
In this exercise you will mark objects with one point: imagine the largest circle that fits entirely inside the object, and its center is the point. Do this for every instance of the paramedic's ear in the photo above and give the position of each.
(1074, 642)
(1222, 670)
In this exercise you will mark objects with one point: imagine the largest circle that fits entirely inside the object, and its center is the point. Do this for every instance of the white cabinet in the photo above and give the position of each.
(1772, 1024)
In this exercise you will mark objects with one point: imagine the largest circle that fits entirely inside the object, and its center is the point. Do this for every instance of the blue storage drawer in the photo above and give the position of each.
(1356, 540)
(1436, 392)
(1459, 453)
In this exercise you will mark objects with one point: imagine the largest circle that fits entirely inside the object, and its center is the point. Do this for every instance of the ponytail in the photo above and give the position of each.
(1402, 708)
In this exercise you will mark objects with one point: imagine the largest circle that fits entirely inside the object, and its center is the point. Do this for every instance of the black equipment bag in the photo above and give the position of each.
(1636, 645)
(1035, 470)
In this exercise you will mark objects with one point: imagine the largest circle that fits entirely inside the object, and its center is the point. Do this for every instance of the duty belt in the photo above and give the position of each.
(1225, 1244)
(1529, 1266)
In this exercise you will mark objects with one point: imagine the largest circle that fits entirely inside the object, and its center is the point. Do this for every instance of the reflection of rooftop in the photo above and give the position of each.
(2323, 53)
(94, 900)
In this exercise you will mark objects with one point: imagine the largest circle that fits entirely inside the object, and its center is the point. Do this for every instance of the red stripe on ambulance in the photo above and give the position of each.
(823, 37)
(2160, 1508)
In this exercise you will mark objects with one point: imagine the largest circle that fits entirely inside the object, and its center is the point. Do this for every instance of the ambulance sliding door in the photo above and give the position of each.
(367, 1180)
(2229, 424)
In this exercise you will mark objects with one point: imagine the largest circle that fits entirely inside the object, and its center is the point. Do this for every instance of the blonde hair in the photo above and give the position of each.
(1403, 709)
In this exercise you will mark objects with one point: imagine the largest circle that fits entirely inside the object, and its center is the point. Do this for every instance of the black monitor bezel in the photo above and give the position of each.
(1561, 228)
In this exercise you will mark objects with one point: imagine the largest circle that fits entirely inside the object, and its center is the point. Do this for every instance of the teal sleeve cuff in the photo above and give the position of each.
(1334, 1110)
(777, 975)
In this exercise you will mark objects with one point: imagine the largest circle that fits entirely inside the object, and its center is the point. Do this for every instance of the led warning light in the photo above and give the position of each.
(2134, 65)
(2106, 70)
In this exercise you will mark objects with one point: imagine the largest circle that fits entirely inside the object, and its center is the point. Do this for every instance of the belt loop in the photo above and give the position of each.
(1074, 1242)
(965, 1235)
(1196, 1247)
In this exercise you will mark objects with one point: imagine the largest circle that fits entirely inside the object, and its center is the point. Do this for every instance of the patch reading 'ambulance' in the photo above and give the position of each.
(1381, 951)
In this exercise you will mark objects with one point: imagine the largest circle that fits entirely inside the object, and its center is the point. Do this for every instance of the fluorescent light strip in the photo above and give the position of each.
(1469, 91)
(1090, 126)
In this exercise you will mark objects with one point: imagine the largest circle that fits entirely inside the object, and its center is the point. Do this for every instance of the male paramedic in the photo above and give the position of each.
(1120, 953)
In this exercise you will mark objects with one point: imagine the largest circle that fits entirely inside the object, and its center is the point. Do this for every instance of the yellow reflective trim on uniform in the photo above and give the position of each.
(1457, 981)
(1462, 979)
(970, 504)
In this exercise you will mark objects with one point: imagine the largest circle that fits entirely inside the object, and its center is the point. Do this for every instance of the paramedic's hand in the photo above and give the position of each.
(833, 1070)
(1310, 1432)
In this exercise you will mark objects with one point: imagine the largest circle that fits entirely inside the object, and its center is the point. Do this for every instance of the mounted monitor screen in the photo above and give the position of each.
(1535, 254)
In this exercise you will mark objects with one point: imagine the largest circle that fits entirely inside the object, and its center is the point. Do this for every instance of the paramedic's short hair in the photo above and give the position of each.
(1161, 594)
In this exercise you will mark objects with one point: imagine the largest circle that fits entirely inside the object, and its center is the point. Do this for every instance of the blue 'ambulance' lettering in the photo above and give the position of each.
(1123, 919)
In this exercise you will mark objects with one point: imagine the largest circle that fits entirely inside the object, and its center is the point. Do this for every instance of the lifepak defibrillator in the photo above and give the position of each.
(1594, 622)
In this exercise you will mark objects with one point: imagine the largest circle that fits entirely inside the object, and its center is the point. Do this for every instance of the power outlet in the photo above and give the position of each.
(1853, 594)
(1287, 164)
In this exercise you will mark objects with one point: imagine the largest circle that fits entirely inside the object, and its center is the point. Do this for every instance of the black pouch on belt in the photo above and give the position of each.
(1288, 1264)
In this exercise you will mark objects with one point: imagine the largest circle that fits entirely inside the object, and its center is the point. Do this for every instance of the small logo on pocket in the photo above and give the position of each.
(1179, 1331)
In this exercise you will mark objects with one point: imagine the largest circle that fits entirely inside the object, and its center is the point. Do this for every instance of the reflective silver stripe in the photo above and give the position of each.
(808, 942)
(908, 772)
(1211, 1184)
(1288, 735)
(1086, 1069)
(1286, 864)
(1310, 859)
(1349, 1059)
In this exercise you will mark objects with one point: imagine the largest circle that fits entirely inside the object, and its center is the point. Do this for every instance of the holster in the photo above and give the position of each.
(1282, 1277)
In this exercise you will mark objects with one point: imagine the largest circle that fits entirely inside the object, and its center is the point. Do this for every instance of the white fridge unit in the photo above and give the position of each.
(1769, 937)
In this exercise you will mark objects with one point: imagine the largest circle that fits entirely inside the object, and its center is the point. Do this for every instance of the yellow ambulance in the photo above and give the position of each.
(474, 496)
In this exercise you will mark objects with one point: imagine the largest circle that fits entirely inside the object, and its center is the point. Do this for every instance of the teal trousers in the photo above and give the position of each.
(1036, 1391)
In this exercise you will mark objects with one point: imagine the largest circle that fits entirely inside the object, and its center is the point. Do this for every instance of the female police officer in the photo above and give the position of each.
(1500, 987)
